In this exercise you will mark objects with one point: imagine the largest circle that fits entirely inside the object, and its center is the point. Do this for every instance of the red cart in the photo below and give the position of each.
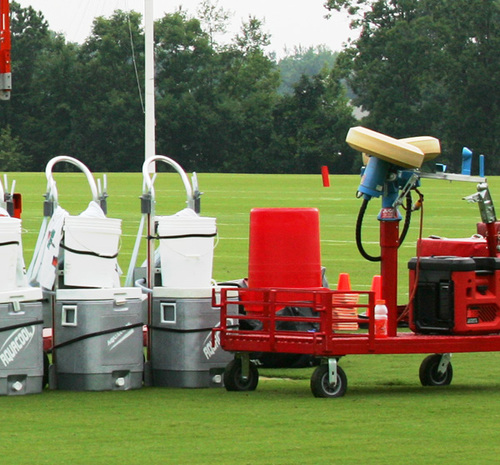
(454, 303)
(329, 345)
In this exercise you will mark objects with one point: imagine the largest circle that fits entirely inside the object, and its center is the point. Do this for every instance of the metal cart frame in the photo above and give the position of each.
(328, 380)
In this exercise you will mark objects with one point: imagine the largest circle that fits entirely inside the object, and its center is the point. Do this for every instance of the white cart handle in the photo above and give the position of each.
(51, 184)
(149, 181)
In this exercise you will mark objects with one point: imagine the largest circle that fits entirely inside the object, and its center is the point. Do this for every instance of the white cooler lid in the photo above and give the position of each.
(21, 294)
(197, 293)
(117, 293)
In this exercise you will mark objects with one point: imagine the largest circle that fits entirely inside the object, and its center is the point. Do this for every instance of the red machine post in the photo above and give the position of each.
(5, 71)
(389, 242)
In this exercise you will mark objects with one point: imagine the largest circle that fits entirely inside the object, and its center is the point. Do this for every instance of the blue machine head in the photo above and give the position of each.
(374, 177)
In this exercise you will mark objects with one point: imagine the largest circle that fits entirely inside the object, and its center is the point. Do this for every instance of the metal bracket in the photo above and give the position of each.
(332, 371)
(444, 363)
(452, 177)
(146, 203)
(411, 183)
(245, 365)
(5, 83)
(483, 198)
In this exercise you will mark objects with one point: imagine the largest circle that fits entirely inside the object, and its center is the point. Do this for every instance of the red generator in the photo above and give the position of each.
(455, 295)
(440, 246)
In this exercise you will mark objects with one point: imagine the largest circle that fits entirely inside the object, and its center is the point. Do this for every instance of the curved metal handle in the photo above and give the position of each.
(51, 184)
(149, 182)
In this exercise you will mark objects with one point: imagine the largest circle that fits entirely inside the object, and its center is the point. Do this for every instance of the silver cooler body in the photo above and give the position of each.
(98, 339)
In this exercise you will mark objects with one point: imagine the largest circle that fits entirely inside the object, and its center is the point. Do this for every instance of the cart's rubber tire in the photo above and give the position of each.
(321, 387)
(429, 375)
(233, 380)
(46, 364)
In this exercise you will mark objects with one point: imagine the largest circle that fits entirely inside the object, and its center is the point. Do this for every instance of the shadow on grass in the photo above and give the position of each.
(286, 387)
(392, 389)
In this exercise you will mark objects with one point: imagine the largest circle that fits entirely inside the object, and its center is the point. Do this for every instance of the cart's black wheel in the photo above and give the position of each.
(233, 379)
(46, 364)
(321, 387)
(429, 374)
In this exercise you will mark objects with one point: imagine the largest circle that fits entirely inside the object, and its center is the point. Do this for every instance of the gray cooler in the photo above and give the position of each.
(98, 339)
(182, 354)
(21, 342)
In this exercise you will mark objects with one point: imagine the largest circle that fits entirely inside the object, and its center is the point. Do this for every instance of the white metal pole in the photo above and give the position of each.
(150, 151)
(150, 122)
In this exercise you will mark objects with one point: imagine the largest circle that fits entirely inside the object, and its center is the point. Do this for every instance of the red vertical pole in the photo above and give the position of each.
(389, 242)
(5, 69)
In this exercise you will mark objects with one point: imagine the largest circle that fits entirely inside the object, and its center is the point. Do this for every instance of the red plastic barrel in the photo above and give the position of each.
(284, 249)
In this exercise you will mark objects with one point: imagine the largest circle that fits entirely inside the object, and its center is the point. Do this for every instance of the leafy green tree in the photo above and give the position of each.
(11, 154)
(214, 19)
(214, 107)
(426, 67)
(473, 111)
(184, 97)
(30, 39)
(49, 124)
(304, 61)
(252, 38)
(248, 91)
(218, 108)
(311, 125)
(109, 131)
(30, 35)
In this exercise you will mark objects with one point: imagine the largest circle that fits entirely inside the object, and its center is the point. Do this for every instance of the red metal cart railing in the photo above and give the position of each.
(323, 342)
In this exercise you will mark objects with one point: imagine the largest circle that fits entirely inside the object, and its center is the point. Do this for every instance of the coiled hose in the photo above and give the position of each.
(359, 225)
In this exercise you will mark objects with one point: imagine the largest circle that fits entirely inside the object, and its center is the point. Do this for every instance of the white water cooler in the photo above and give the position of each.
(182, 316)
(97, 325)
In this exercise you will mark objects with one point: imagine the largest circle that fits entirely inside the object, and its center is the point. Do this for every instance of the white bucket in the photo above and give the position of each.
(10, 243)
(90, 250)
(186, 250)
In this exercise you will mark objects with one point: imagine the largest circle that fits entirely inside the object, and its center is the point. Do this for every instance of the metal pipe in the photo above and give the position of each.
(51, 184)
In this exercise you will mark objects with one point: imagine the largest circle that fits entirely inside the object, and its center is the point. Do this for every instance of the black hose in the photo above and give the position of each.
(359, 242)
(406, 225)
(359, 224)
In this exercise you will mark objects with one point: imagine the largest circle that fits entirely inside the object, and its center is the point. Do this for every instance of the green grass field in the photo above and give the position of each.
(386, 417)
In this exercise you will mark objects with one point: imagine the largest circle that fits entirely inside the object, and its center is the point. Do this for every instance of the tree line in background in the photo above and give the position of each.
(428, 67)
(219, 108)
(419, 67)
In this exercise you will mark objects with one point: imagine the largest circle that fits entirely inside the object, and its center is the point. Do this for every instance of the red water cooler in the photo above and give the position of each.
(284, 249)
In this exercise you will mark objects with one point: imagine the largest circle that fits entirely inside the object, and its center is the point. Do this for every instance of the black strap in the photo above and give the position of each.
(21, 325)
(176, 330)
(87, 252)
(9, 243)
(183, 236)
(96, 334)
